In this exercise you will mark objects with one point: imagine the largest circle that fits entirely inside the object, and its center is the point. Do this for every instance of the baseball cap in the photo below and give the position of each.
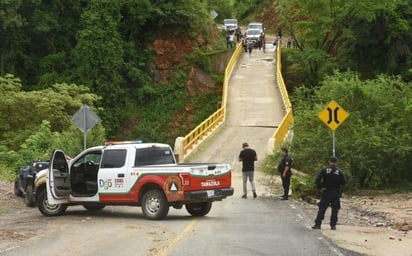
(333, 159)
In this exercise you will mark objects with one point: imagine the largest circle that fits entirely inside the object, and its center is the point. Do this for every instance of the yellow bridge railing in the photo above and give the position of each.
(191, 140)
(184, 144)
(287, 121)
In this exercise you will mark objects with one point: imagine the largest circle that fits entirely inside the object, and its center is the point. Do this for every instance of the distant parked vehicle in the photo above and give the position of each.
(230, 24)
(254, 35)
(257, 25)
(23, 185)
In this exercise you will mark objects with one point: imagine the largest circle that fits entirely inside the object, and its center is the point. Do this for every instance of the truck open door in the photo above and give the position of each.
(58, 179)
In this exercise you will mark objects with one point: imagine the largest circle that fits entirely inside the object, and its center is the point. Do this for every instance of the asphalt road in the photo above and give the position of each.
(235, 226)
(266, 225)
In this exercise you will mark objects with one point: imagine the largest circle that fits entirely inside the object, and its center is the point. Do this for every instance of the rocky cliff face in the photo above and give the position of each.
(169, 53)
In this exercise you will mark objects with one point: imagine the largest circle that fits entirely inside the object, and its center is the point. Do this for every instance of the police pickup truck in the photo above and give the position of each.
(129, 173)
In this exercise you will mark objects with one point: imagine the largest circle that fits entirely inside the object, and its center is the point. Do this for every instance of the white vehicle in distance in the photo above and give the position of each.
(253, 35)
(257, 25)
(230, 24)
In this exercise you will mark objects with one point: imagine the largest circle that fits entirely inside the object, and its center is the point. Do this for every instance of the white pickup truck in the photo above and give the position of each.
(128, 173)
(230, 24)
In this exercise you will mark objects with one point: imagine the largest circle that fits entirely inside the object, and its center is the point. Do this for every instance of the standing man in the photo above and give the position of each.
(329, 182)
(285, 172)
(238, 33)
(248, 157)
(250, 46)
(231, 39)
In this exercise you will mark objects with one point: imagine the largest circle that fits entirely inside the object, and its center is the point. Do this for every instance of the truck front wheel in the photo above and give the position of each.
(199, 209)
(154, 205)
(28, 196)
(17, 190)
(47, 209)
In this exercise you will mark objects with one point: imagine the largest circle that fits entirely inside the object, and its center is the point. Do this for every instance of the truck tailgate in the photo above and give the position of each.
(209, 176)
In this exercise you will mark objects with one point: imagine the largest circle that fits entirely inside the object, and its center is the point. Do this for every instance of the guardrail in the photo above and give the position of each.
(184, 144)
(196, 136)
(286, 124)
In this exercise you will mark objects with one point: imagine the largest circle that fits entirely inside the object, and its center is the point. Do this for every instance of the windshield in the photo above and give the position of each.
(253, 32)
(230, 22)
(255, 27)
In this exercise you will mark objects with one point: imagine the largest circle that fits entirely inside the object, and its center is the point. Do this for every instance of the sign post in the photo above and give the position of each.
(333, 115)
(85, 119)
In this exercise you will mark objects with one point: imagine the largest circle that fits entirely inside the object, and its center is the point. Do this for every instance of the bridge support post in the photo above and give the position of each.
(179, 149)
(270, 146)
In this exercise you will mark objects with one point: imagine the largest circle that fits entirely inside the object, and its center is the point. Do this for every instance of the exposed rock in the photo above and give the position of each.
(199, 81)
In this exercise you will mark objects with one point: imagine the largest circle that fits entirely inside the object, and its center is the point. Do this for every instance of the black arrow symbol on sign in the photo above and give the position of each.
(335, 115)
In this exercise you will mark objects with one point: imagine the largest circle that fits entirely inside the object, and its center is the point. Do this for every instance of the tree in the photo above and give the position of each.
(98, 57)
(372, 143)
(324, 31)
(10, 23)
(34, 123)
(22, 112)
(106, 46)
(382, 44)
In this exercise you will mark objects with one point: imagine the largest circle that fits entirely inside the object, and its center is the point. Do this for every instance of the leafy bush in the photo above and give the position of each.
(40, 123)
(373, 144)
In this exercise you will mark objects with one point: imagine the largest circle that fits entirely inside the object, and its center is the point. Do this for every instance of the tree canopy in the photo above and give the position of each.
(57, 55)
(369, 37)
(358, 54)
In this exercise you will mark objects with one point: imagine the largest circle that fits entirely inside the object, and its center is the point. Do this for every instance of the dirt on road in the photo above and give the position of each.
(17, 222)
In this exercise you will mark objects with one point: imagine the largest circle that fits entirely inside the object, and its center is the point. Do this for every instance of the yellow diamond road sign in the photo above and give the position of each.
(333, 115)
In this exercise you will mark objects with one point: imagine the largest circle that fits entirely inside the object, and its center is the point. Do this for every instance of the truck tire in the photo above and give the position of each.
(17, 190)
(28, 196)
(154, 205)
(94, 207)
(199, 209)
(47, 209)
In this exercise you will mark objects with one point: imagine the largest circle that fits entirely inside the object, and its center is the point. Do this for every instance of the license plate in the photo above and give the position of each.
(210, 193)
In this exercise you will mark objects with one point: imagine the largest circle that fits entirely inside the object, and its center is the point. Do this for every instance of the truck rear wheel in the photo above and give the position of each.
(199, 209)
(154, 205)
(47, 209)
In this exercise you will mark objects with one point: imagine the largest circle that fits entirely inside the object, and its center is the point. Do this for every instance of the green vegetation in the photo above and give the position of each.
(34, 123)
(130, 61)
(369, 37)
(358, 54)
(56, 56)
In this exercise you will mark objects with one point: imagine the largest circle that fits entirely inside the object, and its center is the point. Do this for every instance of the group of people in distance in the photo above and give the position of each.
(248, 43)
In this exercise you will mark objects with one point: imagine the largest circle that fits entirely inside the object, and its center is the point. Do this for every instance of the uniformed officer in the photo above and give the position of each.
(329, 182)
(285, 172)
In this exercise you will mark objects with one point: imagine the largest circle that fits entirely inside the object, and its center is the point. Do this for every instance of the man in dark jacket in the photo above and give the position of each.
(329, 182)
(248, 157)
(285, 172)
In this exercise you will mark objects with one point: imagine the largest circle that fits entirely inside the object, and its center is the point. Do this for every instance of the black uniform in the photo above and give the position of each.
(329, 181)
(286, 161)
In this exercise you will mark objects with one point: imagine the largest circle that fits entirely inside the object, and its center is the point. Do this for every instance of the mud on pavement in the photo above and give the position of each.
(17, 222)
